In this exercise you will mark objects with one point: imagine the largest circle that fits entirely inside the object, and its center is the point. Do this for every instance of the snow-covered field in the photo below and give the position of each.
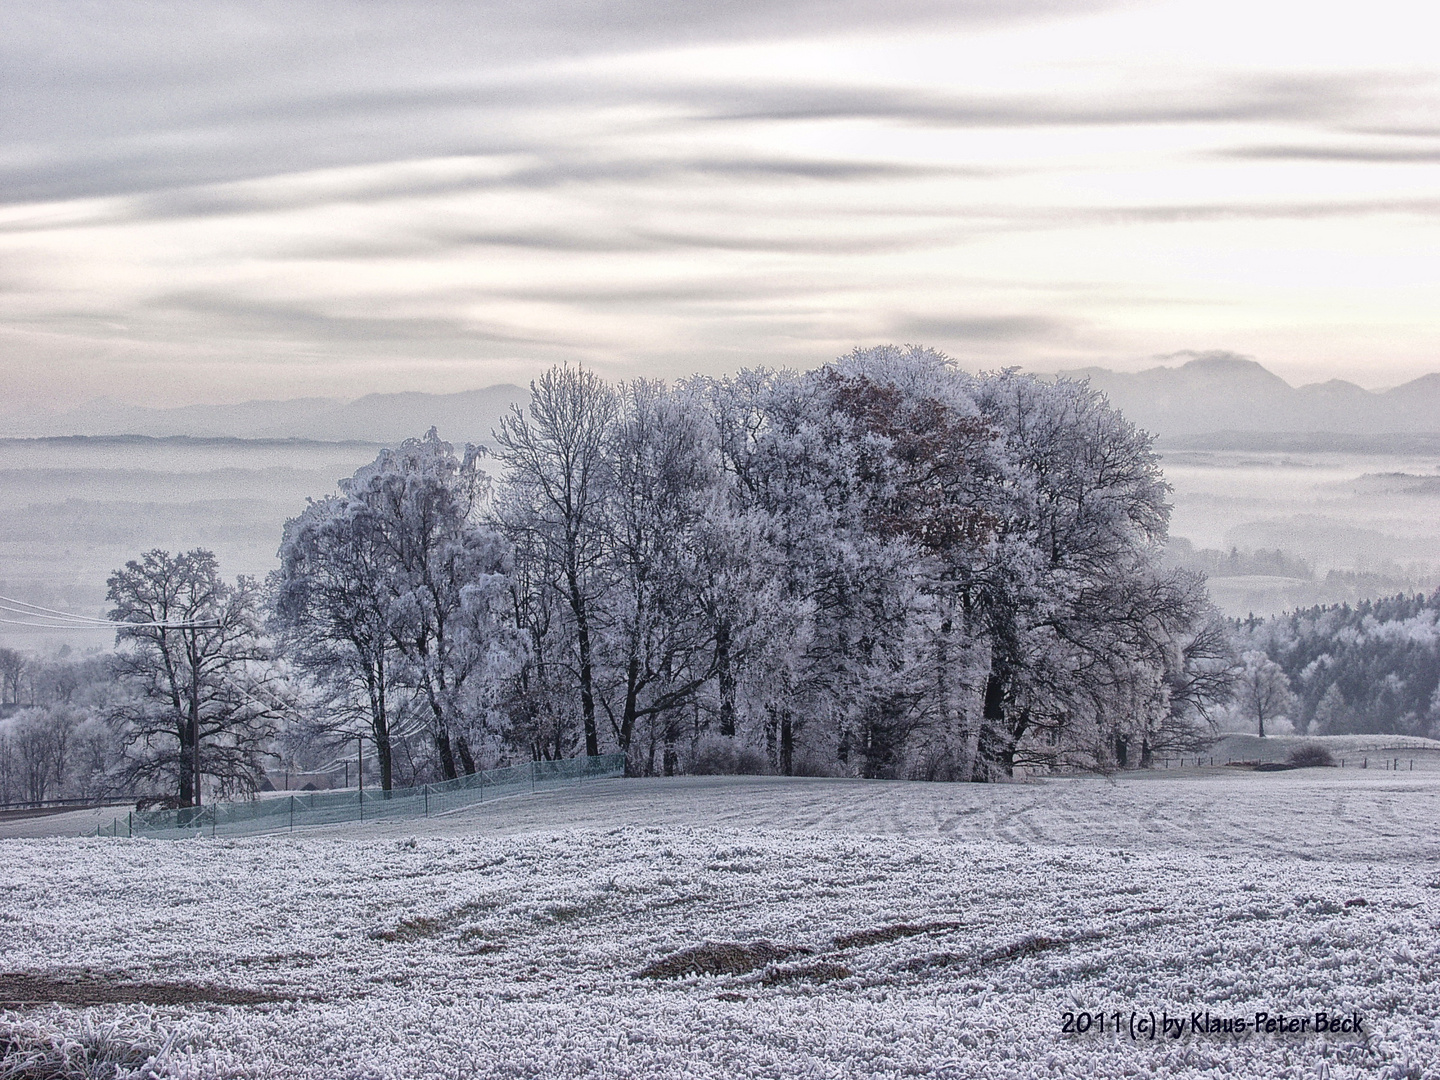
(875, 929)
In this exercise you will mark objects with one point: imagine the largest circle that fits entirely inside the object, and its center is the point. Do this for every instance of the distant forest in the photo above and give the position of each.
(1373, 667)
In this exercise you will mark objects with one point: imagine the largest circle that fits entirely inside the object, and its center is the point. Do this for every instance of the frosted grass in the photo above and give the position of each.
(451, 953)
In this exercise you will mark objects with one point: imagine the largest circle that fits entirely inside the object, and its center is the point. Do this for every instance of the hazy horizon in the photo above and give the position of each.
(342, 394)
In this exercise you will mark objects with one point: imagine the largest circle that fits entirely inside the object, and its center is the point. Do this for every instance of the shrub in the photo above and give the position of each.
(721, 756)
(1311, 754)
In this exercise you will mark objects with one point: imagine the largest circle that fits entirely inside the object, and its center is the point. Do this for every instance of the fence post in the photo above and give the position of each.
(427, 800)
(130, 824)
(292, 813)
(532, 776)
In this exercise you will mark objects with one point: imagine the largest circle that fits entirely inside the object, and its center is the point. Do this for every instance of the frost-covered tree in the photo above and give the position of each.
(446, 580)
(657, 645)
(1263, 691)
(1381, 659)
(1075, 613)
(197, 696)
(14, 665)
(556, 457)
(36, 744)
(885, 566)
(391, 597)
(60, 746)
(331, 605)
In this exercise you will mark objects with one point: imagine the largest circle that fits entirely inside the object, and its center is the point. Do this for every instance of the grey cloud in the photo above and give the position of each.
(1313, 98)
(1180, 213)
(1397, 155)
(131, 99)
(1399, 130)
(134, 67)
(710, 291)
(785, 245)
(620, 241)
(985, 330)
(223, 200)
(436, 242)
(296, 321)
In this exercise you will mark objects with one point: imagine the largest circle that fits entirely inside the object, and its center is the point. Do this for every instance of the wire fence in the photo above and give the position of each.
(335, 807)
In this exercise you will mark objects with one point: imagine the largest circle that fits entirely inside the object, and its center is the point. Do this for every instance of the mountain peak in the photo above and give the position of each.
(1229, 365)
(1222, 391)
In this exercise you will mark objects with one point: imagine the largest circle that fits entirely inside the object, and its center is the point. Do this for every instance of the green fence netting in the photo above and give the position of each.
(284, 812)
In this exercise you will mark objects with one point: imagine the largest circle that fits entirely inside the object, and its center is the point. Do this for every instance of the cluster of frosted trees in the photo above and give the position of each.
(883, 567)
(1340, 669)
(54, 741)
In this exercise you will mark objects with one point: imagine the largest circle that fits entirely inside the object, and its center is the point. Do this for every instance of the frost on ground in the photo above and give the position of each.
(687, 948)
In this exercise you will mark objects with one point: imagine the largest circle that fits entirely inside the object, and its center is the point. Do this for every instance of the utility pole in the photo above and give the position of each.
(195, 718)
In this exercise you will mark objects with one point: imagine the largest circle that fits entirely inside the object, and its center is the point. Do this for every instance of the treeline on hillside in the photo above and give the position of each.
(1369, 668)
(885, 567)
(1236, 563)
(54, 736)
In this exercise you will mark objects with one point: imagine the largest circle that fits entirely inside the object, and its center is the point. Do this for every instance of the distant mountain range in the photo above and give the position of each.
(1224, 393)
(1217, 396)
(468, 416)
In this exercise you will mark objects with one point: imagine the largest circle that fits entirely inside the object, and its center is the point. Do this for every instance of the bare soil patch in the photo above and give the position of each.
(718, 958)
(20, 990)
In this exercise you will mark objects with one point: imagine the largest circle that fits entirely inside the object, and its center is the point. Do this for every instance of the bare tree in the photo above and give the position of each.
(199, 698)
(13, 667)
(556, 465)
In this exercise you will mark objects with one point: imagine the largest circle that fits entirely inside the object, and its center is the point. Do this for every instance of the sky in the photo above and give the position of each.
(239, 199)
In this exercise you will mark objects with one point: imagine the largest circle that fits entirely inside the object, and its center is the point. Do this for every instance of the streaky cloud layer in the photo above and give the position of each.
(335, 199)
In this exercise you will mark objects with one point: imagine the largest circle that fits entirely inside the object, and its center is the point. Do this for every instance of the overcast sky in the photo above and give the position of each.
(240, 198)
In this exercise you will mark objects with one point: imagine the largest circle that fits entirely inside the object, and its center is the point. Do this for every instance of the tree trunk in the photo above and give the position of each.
(467, 759)
(672, 759)
(726, 675)
(187, 797)
(632, 705)
(380, 723)
(787, 744)
(992, 748)
(587, 676)
(447, 755)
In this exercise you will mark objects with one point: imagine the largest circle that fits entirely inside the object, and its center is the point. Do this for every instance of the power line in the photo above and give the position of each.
(54, 626)
(38, 609)
(65, 620)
